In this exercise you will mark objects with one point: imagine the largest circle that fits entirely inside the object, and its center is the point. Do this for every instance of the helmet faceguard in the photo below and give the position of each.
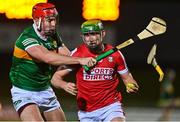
(92, 26)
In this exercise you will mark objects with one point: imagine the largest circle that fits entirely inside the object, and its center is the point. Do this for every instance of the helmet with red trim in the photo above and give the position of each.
(42, 10)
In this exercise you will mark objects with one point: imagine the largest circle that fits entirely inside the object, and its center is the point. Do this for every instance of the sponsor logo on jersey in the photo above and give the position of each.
(99, 74)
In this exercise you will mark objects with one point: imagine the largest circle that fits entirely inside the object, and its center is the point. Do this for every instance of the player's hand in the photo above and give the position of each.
(71, 88)
(90, 62)
(132, 87)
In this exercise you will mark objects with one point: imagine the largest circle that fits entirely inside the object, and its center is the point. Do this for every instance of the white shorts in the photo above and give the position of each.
(105, 114)
(45, 100)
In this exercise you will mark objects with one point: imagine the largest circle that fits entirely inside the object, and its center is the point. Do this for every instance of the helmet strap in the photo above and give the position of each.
(101, 36)
(39, 24)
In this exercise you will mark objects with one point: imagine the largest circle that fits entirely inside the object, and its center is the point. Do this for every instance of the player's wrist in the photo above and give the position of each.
(79, 60)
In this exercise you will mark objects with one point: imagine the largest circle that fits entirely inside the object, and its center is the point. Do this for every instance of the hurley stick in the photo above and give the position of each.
(155, 27)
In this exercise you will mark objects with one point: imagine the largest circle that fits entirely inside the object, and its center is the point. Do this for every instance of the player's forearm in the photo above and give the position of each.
(127, 77)
(58, 82)
(41, 54)
(57, 79)
(57, 59)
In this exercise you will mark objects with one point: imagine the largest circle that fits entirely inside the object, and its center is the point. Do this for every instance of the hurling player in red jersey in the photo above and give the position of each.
(97, 96)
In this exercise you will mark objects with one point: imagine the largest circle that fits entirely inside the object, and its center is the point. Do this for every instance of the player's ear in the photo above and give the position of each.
(81, 36)
(103, 33)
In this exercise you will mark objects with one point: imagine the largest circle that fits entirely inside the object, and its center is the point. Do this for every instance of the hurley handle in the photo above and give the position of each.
(98, 58)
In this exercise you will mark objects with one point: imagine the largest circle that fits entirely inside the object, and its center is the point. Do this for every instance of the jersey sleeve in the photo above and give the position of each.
(26, 42)
(122, 66)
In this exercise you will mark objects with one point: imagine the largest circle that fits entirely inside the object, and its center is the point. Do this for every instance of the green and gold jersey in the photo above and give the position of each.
(25, 72)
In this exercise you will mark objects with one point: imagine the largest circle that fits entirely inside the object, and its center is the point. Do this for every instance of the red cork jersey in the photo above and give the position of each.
(98, 87)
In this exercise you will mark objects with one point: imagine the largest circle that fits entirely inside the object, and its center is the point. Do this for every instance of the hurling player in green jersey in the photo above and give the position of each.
(35, 51)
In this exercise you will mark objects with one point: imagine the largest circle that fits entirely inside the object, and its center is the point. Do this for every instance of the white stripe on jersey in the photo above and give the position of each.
(31, 46)
(28, 41)
(73, 51)
(123, 71)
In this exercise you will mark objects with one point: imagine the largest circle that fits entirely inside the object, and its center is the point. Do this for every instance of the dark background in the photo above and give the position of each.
(134, 17)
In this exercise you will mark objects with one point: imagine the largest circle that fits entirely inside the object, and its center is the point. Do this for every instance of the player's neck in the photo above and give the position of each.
(39, 33)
